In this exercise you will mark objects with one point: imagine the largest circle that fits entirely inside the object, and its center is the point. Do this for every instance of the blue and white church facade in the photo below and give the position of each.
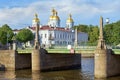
(53, 34)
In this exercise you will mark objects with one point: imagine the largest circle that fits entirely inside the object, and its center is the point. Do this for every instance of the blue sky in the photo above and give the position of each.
(19, 13)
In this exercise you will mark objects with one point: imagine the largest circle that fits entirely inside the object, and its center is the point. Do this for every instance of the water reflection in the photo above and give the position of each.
(87, 68)
(62, 75)
(36, 75)
(86, 73)
(77, 74)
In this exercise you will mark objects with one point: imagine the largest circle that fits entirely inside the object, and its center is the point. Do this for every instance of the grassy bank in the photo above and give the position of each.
(64, 50)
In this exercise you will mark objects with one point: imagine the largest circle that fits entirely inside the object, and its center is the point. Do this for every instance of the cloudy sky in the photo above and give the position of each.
(19, 13)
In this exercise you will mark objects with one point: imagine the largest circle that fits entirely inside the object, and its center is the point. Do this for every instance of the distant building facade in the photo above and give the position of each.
(53, 34)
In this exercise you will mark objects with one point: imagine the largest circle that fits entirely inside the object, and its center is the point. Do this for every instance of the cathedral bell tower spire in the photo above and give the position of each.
(70, 22)
(54, 19)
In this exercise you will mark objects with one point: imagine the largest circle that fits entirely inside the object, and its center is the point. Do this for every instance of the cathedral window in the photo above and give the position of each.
(45, 35)
(55, 35)
(41, 35)
(63, 36)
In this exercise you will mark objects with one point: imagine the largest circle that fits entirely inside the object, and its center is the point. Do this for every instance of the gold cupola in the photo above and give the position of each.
(54, 19)
(36, 19)
(54, 15)
(70, 20)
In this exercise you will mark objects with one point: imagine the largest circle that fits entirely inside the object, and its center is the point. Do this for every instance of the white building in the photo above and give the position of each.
(56, 35)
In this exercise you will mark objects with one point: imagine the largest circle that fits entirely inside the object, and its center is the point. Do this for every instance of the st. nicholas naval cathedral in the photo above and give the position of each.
(53, 34)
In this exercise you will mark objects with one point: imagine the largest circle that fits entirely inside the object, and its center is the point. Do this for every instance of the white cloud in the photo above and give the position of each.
(18, 16)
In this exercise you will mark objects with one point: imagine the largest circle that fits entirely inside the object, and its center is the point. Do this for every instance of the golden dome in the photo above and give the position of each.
(69, 20)
(54, 15)
(51, 17)
(56, 18)
(36, 19)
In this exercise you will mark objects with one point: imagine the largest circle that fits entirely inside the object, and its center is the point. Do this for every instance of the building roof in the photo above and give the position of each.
(15, 30)
(46, 27)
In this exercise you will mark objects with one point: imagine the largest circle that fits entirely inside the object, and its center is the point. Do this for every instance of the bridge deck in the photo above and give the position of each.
(116, 51)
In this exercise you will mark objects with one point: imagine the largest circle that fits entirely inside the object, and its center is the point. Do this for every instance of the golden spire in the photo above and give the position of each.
(70, 18)
(53, 11)
(36, 15)
(36, 19)
(56, 13)
(70, 15)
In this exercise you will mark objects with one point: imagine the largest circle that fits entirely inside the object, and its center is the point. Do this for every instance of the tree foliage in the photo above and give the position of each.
(92, 31)
(24, 35)
(6, 34)
(81, 28)
(112, 33)
(93, 34)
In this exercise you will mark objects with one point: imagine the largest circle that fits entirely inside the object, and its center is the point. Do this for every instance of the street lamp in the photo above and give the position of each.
(107, 20)
(76, 40)
(14, 42)
(7, 39)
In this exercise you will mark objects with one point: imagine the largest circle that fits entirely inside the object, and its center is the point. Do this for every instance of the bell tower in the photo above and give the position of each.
(70, 22)
(54, 19)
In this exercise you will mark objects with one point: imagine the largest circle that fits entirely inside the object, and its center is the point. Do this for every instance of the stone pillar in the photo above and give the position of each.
(100, 55)
(100, 63)
(36, 60)
(36, 75)
(14, 46)
(76, 38)
(36, 51)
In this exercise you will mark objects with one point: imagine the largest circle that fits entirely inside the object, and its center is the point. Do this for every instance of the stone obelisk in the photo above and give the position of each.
(100, 55)
(76, 38)
(36, 50)
(101, 42)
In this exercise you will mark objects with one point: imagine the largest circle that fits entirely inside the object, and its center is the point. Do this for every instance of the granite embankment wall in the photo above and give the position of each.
(7, 58)
(13, 61)
(22, 61)
(113, 64)
(58, 61)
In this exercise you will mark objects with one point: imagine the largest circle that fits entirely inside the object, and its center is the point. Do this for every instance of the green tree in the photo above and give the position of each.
(112, 33)
(6, 34)
(93, 34)
(92, 31)
(81, 28)
(24, 35)
(108, 34)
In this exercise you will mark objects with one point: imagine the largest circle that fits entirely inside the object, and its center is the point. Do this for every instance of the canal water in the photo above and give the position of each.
(86, 73)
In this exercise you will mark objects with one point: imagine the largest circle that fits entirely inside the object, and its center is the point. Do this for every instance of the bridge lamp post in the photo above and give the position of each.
(76, 38)
(7, 39)
(107, 20)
